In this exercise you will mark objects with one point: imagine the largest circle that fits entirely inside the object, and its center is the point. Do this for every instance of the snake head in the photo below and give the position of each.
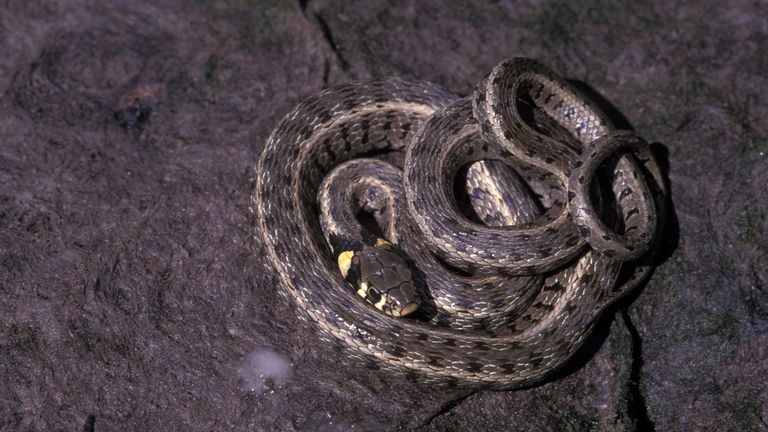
(382, 277)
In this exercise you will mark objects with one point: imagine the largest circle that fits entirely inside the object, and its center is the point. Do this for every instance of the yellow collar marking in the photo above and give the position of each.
(345, 262)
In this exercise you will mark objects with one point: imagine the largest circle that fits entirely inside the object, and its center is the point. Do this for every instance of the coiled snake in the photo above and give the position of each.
(506, 231)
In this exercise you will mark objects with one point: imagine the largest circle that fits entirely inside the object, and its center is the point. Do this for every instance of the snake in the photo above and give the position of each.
(457, 241)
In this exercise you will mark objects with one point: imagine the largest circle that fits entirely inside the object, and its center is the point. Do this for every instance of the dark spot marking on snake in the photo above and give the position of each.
(324, 116)
(624, 193)
(573, 241)
(463, 302)
(570, 307)
(398, 350)
(586, 278)
(508, 368)
(269, 221)
(480, 345)
(411, 376)
(266, 193)
(632, 212)
(348, 104)
(551, 230)
(584, 231)
(474, 367)
(451, 382)
(307, 132)
(557, 286)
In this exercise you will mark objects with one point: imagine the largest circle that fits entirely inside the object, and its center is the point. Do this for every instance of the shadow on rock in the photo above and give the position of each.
(634, 407)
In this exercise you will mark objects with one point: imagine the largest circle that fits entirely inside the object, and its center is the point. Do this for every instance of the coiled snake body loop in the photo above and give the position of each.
(510, 289)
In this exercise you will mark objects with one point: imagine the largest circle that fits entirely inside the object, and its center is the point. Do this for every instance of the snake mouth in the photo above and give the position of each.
(408, 309)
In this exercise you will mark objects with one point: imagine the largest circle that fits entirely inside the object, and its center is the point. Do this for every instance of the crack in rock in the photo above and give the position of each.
(328, 37)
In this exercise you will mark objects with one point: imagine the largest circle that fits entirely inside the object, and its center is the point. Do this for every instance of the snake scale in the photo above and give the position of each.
(504, 222)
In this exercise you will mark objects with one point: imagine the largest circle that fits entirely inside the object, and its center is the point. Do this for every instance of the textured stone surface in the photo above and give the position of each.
(130, 289)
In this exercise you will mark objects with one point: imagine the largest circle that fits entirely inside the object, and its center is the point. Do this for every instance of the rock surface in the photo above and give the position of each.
(131, 292)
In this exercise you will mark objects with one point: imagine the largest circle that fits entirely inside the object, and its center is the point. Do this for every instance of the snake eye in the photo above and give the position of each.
(374, 295)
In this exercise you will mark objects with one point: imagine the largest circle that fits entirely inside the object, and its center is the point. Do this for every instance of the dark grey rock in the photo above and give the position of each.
(131, 288)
